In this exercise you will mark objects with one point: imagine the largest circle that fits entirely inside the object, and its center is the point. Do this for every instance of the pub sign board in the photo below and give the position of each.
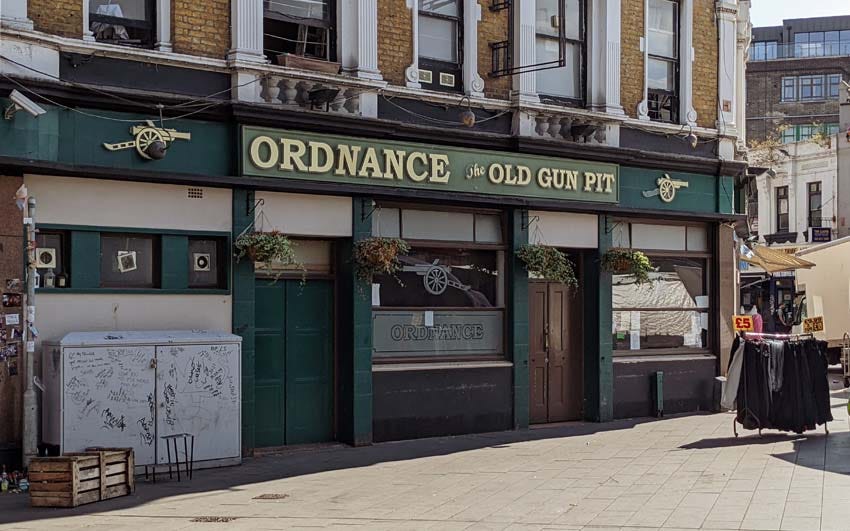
(406, 333)
(346, 160)
(821, 234)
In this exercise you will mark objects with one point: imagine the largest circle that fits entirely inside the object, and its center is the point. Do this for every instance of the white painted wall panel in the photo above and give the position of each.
(105, 203)
(564, 229)
(305, 214)
(58, 314)
(658, 237)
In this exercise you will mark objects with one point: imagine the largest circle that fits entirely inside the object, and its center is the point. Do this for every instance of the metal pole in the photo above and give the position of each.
(30, 441)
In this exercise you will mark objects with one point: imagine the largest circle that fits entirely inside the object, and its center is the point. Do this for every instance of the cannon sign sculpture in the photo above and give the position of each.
(146, 137)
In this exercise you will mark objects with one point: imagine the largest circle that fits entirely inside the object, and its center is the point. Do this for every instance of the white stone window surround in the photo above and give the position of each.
(14, 15)
(687, 113)
(357, 32)
(473, 84)
(603, 32)
(162, 42)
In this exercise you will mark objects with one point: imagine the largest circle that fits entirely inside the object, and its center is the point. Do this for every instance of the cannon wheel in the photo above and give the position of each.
(145, 138)
(667, 190)
(436, 280)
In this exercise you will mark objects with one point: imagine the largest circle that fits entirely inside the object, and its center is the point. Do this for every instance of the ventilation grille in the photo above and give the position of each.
(195, 193)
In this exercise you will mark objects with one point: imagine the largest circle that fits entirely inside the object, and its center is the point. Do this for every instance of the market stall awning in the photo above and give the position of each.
(774, 260)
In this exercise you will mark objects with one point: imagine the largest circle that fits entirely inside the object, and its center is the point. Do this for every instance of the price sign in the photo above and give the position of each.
(743, 323)
(812, 325)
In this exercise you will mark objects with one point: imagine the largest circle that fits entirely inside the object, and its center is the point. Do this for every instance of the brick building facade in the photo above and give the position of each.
(195, 105)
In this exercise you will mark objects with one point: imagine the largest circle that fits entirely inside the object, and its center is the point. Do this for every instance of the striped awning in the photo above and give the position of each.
(774, 260)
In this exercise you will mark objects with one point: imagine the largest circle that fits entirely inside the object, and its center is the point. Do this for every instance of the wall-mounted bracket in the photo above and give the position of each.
(526, 222)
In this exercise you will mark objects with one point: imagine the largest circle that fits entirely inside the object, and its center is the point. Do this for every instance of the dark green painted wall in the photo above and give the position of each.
(64, 136)
(598, 360)
(243, 311)
(704, 194)
(354, 350)
(518, 316)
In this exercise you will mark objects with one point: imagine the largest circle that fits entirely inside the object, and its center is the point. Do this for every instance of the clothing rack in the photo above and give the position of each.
(765, 335)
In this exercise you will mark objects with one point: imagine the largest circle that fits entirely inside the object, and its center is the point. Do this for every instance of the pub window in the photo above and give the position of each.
(129, 260)
(448, 298)
(671, 313)
(815, 204)
(566, 83)
(207, 267)
(782, 209)
(304, 28)
(52, 254)
(440, 51)
(124, 22)
(663, 66)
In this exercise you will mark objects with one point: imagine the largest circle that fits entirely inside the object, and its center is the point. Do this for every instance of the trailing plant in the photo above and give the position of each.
(548, 263)
(267, 248)
(379, 256)
(628, 262)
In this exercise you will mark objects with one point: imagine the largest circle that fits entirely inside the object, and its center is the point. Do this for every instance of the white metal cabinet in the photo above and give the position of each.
(128, 389)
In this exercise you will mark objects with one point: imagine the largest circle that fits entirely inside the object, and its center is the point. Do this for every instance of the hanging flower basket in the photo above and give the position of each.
(267, 248)
(378, 256)
(628, 262)
(548, 263)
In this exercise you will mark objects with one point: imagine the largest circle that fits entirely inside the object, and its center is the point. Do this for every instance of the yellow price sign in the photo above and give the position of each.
(812, 325)
(743, 323)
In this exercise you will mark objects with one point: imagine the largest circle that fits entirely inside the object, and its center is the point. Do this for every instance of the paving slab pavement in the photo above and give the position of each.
(683, 472)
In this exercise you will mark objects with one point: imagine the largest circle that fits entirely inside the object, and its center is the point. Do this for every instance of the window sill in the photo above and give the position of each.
(622, 356)
(439, 365)
(129, 291)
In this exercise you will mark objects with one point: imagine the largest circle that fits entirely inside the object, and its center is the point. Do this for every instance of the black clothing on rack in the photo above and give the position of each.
(784, 385)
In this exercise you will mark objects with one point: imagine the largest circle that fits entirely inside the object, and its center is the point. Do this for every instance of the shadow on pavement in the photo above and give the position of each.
(15, 508)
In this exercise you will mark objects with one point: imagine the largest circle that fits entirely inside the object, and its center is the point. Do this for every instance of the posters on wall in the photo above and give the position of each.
(11, 333)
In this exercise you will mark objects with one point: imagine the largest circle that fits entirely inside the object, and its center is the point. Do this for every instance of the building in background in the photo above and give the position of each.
(173, 128)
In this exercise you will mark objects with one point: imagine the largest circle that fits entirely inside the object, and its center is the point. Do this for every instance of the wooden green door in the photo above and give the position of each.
(294, 362)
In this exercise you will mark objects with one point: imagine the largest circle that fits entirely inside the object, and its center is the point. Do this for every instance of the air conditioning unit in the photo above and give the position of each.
(45, 258)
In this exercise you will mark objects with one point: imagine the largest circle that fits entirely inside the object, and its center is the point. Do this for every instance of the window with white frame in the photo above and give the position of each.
(789, 88)
(663, 61)
(440, 51)
(304, 28)
(568, 82)
(123, 22)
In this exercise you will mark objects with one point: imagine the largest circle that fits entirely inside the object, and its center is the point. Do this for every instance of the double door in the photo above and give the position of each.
(555, 358)
(294, 362)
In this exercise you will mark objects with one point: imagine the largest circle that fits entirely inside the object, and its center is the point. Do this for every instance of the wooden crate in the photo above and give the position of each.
(79, 478)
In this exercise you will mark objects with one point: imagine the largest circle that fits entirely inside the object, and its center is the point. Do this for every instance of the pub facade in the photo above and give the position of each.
(176, 166)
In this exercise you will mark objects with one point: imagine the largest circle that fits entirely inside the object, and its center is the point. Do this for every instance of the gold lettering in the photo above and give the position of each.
(496, 173)
(439, 169)
(315, 148)
(293, 151)
(589, 181)
(544, 178)
(572, 180)
(370, 166)
(609, 183)
(411, 169)
(558, 179)
(511, 176)
(256, 157)
(600, 177)
(394, 163)
(347, 159)
(524, 175)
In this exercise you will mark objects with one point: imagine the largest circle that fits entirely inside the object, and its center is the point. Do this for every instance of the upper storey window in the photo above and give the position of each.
(440, 37)
(663, 66)
(125, 22)
(565, 83)
(763, 51)
(304, 28)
